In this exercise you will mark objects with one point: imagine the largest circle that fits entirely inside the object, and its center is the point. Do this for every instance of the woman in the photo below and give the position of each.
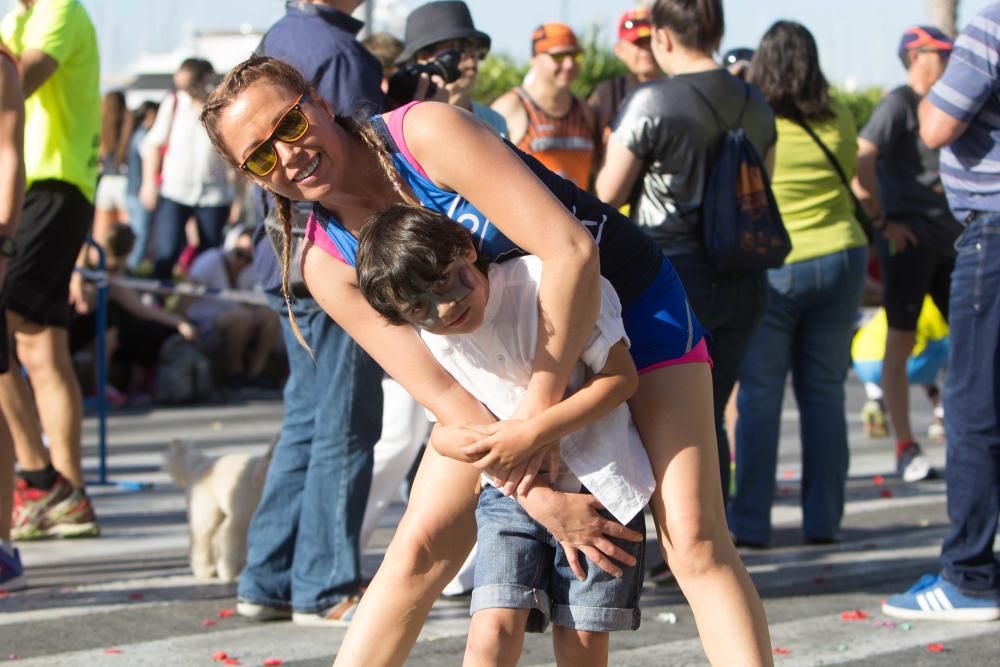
(264, 119)
(110, 206)
(138, 215)
(676, 126)
(812, 300)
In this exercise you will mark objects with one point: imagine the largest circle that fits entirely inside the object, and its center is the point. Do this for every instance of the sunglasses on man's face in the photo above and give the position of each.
(289, 128)
(560, 58)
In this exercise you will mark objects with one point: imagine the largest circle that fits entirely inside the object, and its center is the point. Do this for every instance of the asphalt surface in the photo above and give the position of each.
(128, 598)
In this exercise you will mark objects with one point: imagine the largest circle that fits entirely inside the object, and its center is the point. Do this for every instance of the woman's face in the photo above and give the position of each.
(307, 169)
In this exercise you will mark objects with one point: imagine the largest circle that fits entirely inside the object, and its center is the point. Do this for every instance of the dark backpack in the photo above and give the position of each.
(742, 227)
(183, 373)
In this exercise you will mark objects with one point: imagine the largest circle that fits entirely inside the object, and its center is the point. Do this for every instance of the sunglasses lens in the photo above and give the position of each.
(262, 160)
(292, 126)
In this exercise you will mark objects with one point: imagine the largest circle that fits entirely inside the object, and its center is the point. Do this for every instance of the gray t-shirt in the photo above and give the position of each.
(908, 179)
(667, 125)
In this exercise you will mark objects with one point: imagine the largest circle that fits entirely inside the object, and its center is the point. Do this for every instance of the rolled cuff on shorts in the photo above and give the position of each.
(514, 596)
(596, 619)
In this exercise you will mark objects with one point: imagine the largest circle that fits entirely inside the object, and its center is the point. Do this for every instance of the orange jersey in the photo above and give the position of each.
(565, 145)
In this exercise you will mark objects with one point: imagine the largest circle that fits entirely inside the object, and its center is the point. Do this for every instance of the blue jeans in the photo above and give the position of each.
(972, 406)
(811, 311)
(730, 306)
(140, 220)
(168, 229)
(303, 545)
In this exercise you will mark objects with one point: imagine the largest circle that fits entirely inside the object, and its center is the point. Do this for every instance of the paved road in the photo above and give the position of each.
(128, 597)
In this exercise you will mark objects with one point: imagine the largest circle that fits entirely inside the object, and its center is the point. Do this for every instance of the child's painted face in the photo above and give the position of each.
(455, 304)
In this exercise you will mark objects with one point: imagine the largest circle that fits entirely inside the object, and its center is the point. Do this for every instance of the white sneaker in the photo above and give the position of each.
(912, 465)
(262, 612)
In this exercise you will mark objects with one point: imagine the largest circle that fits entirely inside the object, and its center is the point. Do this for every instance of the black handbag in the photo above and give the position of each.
(859, 211)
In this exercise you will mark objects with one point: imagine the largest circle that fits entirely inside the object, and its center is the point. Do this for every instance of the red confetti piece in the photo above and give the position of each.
(819, 580)
(112, 651)
(225, 613)
(785, 490)
(3, 594)
(208, 622)
(780, 650)
(219, 656)
(885, 493)
(935, 648)
(869, 545)
(273, 662)
(135, 596)
(878, 480)
(13, 656)
(853, 615)
(230, 661)
(788, 474)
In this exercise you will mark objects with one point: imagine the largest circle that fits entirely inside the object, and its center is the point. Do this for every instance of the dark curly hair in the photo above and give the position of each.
(786, 69)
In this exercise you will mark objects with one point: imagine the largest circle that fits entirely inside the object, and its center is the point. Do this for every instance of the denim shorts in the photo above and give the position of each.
(519, 565)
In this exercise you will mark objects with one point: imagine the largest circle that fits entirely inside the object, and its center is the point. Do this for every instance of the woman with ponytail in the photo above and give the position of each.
(264, 119)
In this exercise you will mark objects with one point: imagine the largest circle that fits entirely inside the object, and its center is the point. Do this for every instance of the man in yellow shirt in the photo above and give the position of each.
(55, 43)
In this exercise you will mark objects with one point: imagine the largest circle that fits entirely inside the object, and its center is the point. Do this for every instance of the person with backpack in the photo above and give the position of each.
(812, 301)
(663, 146)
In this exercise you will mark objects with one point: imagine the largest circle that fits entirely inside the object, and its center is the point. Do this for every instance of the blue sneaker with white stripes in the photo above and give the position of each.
(933, 598)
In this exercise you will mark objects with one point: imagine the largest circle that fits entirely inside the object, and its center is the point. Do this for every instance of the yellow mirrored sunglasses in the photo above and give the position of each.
(290, 127)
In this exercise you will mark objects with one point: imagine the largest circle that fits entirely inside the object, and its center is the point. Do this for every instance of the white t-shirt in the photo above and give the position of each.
(494, 364)
(193, 173)
(209, 269)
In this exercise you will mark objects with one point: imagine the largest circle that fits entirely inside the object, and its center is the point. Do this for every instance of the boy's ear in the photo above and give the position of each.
(471, 254)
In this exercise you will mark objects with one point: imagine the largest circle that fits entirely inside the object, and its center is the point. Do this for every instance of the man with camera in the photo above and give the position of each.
(303, 551)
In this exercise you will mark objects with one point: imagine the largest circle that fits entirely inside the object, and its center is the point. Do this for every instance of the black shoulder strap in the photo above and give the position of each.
(718, 119)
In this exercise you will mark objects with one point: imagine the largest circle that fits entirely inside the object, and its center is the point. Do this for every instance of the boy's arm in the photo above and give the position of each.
(612, 385)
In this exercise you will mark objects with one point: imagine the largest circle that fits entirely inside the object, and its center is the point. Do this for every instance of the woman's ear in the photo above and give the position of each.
(663, 39)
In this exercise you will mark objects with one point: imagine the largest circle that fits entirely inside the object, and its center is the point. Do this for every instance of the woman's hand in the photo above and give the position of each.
(187, 330)
(450, 440)
(573, 519)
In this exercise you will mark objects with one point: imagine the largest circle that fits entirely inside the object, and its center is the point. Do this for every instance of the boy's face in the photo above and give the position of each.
(455, 304)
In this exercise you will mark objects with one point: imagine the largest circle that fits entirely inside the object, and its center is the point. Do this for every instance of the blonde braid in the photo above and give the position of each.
(283, 208)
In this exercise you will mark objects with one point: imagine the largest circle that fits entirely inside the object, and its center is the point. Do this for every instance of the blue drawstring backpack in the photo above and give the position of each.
(742, 227)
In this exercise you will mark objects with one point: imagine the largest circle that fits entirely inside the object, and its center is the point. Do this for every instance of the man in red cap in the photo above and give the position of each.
(899, 184)
(633, 49)
(543, 117)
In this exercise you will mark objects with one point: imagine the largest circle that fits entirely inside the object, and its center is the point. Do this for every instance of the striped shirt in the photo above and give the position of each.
(969, 91)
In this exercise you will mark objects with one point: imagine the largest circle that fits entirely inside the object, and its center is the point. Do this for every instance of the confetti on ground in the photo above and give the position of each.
(841, 648)
(208, 622)
(785, 490)
(112, 651)
(273, 662)
(906, 627)
(12, 656)
(819, 580)
(781, 650)
(66, 589)
(788, 474)
(853, 615)
(878, 480)
(885, 493)
(219, 656)
(667, 617)
(135, 596)
(3, 594)
(230, 661)
(924, 523)
(935, 648)
(869, 545)
(225, 613)
(216, 426)
(885, 624)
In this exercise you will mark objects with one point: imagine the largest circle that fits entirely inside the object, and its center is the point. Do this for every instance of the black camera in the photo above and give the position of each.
(403, 84)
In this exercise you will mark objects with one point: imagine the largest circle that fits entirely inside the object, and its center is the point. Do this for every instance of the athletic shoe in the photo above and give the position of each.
(11, 571)
(873, 419)
(936, 430)
(262, 612)
(339, 615)
(912, 465)
(61, 511)
(933, 598)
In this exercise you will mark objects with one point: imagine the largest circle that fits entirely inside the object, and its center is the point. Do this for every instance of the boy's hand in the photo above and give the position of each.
(450, 440)
(503, 451)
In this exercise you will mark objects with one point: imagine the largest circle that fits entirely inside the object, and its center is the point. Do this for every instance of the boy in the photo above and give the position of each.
(418, 267)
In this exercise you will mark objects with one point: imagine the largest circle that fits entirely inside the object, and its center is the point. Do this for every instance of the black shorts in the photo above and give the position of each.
(54, 224)
(910, 275)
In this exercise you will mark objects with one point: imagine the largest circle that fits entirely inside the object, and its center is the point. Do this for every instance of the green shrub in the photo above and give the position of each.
(861, 103)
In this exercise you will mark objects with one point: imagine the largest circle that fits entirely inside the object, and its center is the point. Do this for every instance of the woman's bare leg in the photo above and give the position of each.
(431, 543)
(673, 412)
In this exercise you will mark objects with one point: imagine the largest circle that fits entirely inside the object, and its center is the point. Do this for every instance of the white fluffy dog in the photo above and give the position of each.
(222, 495)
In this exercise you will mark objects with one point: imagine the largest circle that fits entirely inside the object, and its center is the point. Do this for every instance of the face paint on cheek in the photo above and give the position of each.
(459, 286)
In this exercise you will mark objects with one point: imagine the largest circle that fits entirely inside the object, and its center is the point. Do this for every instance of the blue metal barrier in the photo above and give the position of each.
(100, 401)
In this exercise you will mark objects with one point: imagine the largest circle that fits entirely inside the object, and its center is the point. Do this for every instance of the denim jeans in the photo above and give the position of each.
(140, 220)
(730, 306)
(303, 544)
(972, 406)
(168, 230)
(811, 311)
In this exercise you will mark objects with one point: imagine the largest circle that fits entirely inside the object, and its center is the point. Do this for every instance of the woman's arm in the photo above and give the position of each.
(11, 151)
(129, 299)
(460, 154)
(617, 177)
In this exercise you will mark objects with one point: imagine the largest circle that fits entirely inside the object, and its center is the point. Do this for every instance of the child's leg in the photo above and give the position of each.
(496, 637)
(579, 647)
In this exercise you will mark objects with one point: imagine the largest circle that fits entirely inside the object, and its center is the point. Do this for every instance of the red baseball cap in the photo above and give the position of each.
(634, 25)
(550, 37)
(924, 36)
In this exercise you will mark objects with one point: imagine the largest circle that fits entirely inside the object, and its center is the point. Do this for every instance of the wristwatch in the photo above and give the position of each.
(8, 246)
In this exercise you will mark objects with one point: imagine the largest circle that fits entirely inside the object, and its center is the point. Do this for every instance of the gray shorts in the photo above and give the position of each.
(519, 565)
